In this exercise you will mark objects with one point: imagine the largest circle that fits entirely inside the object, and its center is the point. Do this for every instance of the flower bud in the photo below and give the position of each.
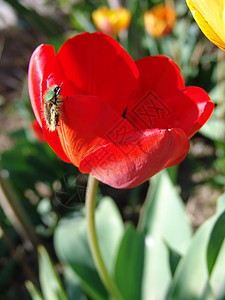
(159, 20)
(111, 21)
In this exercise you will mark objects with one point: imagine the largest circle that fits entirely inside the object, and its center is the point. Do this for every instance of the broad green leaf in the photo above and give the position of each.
(220, 207)
(191, 275)
(164, 223)
(215, 242)
(173, 172)
(174, 259)
(110, 230)
(72, 285)
(72, 246)
(129, 264)
(34, 293)
(191, 280)
(214, 128)
(49, 279)
(207, 293)
(217, 279)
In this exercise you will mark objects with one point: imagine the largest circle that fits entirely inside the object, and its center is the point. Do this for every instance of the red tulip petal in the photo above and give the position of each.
(160, 75)
(160, 78)
(150, 111)
(40, 68)
(86, 125)
(191, 122)
(40, 79)
(129, 162)
(171, 107)
(52, 139)
(188, 109)
(98, 65)
(175, 161)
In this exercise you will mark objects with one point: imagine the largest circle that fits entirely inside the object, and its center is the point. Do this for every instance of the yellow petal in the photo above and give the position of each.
(111, 21)
(159, 20)
(209, 14)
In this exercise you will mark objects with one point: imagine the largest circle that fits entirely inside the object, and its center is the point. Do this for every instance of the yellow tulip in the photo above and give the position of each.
(159, 20)
(210, 16)
(111, 21)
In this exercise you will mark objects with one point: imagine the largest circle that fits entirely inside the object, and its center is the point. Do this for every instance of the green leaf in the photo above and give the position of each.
(164, 223)
(173, 172)
(191, 280)
(129, 264)
(34, 293)
(214, 128)
(191, 274)
(49, 279)
(215, 242)
(220, 207)
(72, 248)
(217, 279)
(174, 259)
(72, 285)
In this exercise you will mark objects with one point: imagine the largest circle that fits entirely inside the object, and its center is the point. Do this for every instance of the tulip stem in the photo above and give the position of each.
(93, 240)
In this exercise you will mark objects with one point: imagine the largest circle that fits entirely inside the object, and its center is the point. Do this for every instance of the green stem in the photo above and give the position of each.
(93, 240)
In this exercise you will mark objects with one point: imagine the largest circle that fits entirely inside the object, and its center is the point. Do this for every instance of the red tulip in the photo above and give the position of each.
(121, 121)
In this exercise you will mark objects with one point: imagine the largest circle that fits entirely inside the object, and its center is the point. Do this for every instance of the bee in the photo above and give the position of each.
(52, 106)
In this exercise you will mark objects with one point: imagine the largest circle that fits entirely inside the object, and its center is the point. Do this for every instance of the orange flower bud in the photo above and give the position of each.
(159, 20)
(111, 21)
